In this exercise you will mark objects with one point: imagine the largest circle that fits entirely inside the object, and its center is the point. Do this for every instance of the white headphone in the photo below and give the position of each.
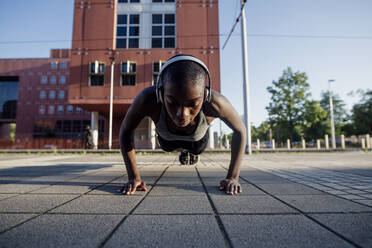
(180, 57)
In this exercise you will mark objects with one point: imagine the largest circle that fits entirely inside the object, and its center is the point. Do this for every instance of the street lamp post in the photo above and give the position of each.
(247, 120)
(331, 113)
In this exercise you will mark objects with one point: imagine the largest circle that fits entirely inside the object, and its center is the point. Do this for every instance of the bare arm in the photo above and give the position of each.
(142, 106)
(226, 112)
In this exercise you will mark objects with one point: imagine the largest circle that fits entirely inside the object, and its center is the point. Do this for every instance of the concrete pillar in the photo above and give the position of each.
(318, 144)
(258, 144)
(151, 134)
(227, 143)
(303, 143)
(342, 141)
(94, 124)
(326, 141)
(368, 141)
(363, 141)
(211, 139)
(288, 144)
(216, 140)
(273, 143)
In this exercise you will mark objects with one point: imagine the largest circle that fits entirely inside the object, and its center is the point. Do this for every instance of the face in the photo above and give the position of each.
(183, 103)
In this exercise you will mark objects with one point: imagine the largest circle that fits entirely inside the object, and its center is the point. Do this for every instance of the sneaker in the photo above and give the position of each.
(194, 159)
(184, 158)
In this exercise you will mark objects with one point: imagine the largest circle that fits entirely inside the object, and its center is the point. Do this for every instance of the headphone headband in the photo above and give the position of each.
(175, 59)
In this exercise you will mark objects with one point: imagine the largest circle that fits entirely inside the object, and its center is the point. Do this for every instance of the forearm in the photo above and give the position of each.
(129, 155)
(237, 152)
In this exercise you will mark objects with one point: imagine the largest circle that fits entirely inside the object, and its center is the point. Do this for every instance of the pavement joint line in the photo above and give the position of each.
(46, 211)
(221, 226)
(301, 212)
(116, 227)
(194, 214)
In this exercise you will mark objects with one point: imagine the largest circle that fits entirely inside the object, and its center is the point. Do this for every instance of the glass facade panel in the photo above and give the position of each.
(62, 80)
(156, 43)
(122, 19)
(157, 19)
(133, 43)
(157, 30)
(121, 31)
(8, 99)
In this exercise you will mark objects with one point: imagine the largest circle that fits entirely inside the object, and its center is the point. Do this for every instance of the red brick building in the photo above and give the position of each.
(140, 35)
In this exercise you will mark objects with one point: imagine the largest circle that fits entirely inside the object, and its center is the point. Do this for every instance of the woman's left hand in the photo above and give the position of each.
(230, 186)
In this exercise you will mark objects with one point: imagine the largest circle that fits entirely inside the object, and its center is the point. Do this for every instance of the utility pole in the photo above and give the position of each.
(111, 99)
(247, 119)
(332, 117)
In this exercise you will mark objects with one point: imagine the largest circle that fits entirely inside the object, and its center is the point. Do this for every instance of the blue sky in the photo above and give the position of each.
(328, 39)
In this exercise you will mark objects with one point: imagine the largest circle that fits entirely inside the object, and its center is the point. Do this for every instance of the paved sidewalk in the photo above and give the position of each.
(288, 200)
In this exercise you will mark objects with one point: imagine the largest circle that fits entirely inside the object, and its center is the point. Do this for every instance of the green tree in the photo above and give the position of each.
(286, 109)
(315, 121)
(362, 114)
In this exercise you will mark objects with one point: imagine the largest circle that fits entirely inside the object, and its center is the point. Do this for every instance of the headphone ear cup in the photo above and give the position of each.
(160, 95)
(207, 95)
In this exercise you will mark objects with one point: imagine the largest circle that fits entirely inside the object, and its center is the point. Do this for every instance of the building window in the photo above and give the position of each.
(62, 80)
(42, 94)
(70, 109)
(165, 1)
(156, 66)
(63, 66)
(60, 109)
(79, 110)
(53, 80)
(127, 32)
(96, 74)
(51, 110)
(128, 73)
(41, 109)
(54, 65)
(163, 31)
(44, 79)
(61, 94)
(128, 1)
(52, 94)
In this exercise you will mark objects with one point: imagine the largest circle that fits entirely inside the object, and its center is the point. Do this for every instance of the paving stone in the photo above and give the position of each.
(67, 188)
(355, 227)
(100, 204)
(247, 189)
(174, 205)
(4, 196)
(32, 203)
(239, 204)
(322, 203)
(336, 192)
(177, 190)
(168, 231)
(61, 231)
(288, 189)
(278, 231)
(366, 202)
(9, 220)
(179, 180)
(21, 187)
(352, 197)
(113, 189)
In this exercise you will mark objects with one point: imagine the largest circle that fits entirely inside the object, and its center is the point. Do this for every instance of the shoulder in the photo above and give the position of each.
(216, 104)
(146, 101)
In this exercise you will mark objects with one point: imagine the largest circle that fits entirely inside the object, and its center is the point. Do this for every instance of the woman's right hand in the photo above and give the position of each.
(131, 186)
